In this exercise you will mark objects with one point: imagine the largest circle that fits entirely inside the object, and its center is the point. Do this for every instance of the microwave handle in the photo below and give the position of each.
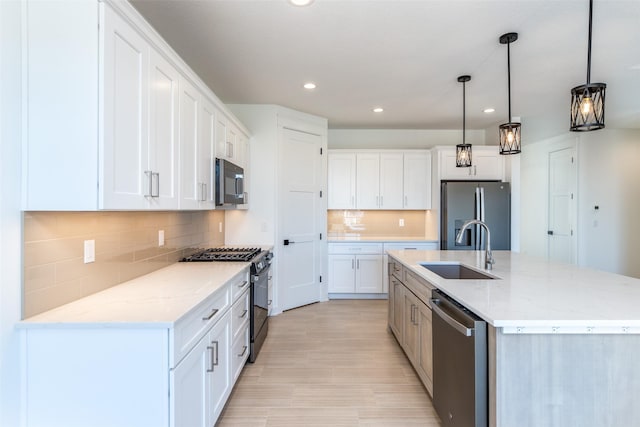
(239, 186)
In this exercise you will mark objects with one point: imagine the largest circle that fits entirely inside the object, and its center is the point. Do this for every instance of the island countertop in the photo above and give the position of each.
(533, 295)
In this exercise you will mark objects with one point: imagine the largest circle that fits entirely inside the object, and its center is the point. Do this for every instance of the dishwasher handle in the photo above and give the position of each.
(468, 332)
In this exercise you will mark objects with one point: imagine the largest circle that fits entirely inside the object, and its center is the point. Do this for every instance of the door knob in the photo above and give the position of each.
(550, 232)
(288, 242)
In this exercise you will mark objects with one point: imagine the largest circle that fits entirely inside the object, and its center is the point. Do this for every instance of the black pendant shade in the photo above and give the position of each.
(510, 141)
(463, 151)
(587, 101)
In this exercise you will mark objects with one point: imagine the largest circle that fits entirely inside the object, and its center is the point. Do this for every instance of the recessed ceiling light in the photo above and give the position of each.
(301, 2)
(378, 110)
(309, 85)
(489, 110)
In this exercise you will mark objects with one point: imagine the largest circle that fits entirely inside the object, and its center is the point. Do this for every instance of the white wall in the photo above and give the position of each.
(399, 138)
(10, 214)
(608, 174)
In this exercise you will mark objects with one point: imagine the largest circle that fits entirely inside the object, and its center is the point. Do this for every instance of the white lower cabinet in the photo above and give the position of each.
(172, 374)
(201, 381)
(355, 274)
(410, 320)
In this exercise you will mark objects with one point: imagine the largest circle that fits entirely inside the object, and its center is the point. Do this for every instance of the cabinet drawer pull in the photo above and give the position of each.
(244, 313)
(213, 313)
(244, 351)
(269, 302)
(155, 175)
(243, 284)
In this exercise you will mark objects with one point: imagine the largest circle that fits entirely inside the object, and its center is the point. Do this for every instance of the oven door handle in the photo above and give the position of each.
(450, 320)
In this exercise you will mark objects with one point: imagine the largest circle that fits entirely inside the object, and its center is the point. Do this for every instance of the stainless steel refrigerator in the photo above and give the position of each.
(488, 201)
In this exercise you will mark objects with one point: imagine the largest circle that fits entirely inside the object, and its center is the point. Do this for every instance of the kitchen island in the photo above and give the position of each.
(562, 340)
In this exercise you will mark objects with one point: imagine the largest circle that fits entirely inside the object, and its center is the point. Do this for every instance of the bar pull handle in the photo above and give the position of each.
(468, 332)
(244, 313)
(244, 351)
(381, 201)
(149, 192)
(243, 284)
(358, 264)
(215, 361)
(412, 314)
(213, 313)
(405, 201)
(353, 264)
(210, 348)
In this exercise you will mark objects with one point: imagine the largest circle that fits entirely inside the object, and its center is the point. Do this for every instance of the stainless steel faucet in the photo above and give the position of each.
(488, 258)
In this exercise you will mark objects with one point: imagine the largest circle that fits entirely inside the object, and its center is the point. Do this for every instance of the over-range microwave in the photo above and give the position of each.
(229, 183)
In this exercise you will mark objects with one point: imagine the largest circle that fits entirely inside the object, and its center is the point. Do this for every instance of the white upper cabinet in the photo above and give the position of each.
(342, 180)
(417, 180)
(126, 177)
(487, 164)
(114, 118)
(387, 179)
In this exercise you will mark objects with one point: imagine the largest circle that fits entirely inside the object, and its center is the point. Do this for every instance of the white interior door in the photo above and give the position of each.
(562, 202)
(300, 184)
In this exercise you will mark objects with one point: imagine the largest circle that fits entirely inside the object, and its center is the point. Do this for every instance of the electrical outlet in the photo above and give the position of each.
(401, 222)
(89, 251)
(160, 237)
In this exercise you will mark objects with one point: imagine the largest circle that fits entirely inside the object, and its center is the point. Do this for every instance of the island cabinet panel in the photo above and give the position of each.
(410, 319)
(559, 380)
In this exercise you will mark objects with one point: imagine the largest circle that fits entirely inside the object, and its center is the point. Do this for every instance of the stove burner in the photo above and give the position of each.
(223, 254)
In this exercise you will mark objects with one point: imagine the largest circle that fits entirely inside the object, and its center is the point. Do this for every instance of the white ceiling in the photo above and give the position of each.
(406, 56)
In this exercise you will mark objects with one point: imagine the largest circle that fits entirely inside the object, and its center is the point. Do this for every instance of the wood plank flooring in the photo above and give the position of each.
(330, 364)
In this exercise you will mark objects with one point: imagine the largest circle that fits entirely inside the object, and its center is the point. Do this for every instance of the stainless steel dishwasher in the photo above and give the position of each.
(460, 387)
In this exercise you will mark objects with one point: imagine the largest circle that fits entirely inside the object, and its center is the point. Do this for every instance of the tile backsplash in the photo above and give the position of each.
(418, 225)
(126, 246)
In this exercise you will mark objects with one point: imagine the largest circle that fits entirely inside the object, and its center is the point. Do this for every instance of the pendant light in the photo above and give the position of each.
(587, 101)
(463, 151)
(509, 132)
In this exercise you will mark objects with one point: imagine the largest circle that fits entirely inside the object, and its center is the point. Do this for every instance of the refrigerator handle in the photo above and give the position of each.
(476, 215)
(481, 232)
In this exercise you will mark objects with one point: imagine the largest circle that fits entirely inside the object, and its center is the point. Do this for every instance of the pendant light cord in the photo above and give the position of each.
(509, 77)
(589, 46)
(464, 109)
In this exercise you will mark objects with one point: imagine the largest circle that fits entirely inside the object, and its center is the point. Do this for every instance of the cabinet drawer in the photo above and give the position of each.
(239, 284)
(239, 352)
(420, 287)
(197, 322)
(420, 246)
(357, 248)
(240, 314)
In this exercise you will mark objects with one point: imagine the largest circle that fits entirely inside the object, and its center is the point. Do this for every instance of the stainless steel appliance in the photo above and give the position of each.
(260, 273)
(487, 201)
(229, 183)
(460, 389)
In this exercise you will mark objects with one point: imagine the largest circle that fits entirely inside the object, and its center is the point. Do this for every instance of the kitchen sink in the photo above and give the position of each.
(455, 270)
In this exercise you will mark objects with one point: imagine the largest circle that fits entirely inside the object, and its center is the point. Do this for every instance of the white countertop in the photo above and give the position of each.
(533, 295)
(155, 300)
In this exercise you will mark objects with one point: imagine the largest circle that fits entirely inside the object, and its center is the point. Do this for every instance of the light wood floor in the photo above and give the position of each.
(330, 364)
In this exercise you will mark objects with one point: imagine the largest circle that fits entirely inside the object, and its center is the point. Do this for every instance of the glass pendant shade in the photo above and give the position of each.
(510, 138)
(587, 101)
(463, 155)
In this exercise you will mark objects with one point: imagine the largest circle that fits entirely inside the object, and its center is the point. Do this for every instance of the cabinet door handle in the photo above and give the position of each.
(244, 313)
(215, 361)
(358, 264)
(381, 201)
(415, 316)
(412, 321)
(405, 201)
(353, 264)
(475, 171)
(210, 348)
(149, 192)
(213, 313)
(243, 284)
(377, 201)
(244, 350)
(203, 191)
(157, 186)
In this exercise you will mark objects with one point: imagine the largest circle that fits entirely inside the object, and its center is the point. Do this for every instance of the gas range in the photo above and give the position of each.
(223, 254)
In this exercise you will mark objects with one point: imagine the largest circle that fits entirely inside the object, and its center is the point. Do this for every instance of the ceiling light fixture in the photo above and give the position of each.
(489, 110)
(378, 110)
(463, 151)
(301, 2)
(309, 85)
(509, 132)
(587, 101)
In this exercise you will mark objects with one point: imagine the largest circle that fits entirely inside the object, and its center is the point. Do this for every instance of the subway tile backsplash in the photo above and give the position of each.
(126, 246)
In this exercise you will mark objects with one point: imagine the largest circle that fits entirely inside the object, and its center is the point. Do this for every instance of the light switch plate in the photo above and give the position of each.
(401, 222)
(160, 237)
(89, 251)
